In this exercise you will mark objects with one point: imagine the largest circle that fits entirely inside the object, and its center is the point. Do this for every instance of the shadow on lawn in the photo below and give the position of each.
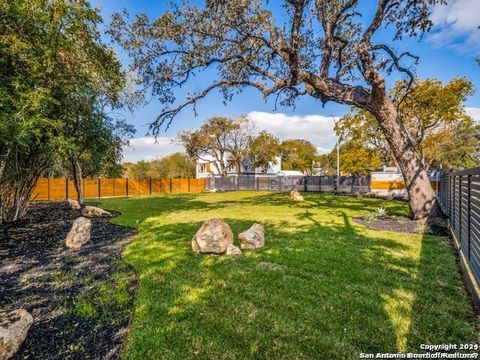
(316, 290)
(332, 201)
(328, 290)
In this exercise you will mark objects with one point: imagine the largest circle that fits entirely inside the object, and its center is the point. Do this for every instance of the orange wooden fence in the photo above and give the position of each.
(61, 189)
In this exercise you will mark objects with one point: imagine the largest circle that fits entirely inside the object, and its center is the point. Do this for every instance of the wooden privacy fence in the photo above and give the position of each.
(61, 189)
(459, 198)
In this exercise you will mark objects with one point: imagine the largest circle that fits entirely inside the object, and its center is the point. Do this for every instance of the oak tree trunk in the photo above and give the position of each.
(77, 179)
(422, 198)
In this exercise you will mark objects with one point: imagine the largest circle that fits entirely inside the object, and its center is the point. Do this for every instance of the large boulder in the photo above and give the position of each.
(213, 237)
(14, 326)
(79, 234)
(233, 250)
(252, 238)
(73, 204)
(93, 211)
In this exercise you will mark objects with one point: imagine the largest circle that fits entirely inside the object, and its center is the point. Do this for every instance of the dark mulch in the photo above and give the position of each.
(39, 274)
(405, 225)
(391, 223)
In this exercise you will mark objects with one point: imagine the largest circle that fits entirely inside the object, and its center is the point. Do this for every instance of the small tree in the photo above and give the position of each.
(239, 142)
(264, 150)
(223, 140)
(355, 158)
(298, 155)
(141, 170)
(324, 49)
(176, 165)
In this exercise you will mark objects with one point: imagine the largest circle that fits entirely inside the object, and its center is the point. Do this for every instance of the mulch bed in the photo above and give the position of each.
(435, 226)
(40, 275)
(391, 223)
(404, 225)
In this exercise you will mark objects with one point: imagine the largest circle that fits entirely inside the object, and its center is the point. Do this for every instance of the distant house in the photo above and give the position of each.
(206, 167)
(290, 173)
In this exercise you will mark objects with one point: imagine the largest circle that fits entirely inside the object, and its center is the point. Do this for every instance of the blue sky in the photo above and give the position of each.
(449, 50)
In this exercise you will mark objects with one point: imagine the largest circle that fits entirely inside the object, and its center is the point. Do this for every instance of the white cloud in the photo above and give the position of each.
(456, 25)
(146, 148)
(474, 112)
(317, 129)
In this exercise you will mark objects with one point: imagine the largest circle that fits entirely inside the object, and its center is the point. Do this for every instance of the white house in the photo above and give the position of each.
(205, 167)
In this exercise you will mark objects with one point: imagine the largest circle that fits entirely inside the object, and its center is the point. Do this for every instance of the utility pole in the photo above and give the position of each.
(339, 138)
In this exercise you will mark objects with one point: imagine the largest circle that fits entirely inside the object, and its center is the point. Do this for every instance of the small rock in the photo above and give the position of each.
(295, 196)
(73, 204)
(252, 238)
(93, 211)
(213, 237)
(233, 250)
(79, 234)
(14, 326)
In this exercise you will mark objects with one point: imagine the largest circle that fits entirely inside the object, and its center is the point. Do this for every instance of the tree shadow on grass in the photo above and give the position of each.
(442, 309)
(321, 291)
(334, 202)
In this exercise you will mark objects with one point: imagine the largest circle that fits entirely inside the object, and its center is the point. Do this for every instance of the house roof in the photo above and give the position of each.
(290, 173)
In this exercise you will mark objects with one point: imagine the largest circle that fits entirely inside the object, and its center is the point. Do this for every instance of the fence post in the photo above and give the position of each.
(150, 185)
(453, 202)
(305, 188)
(66, 188)
(99, 188)
(257, 182)
(469, 178)
(238, 182)
(126, 190)
(170, 185)
(188, 180)
(460, 209)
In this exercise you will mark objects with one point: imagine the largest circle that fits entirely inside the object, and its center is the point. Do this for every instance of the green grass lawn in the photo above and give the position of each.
(323, 287)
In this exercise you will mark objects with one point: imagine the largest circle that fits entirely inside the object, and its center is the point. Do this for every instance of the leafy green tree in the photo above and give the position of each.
(329, 50)
(298, 155)
(264, 150)
(220, 140)
(140, 170)
(56, 72)
(176, 165)
(434, 115)
(355, 158)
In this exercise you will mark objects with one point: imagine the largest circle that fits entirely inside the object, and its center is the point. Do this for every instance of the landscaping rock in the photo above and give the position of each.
(252, 238)
(93, 211)
(213, 237)
(79, 234)
(73, 204)
(295, 196)
(14, 326)
(233, 250)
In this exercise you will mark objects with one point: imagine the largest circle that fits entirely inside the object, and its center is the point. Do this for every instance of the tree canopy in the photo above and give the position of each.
(220, 140)
(298, 154)
(57, 82)
(434, 114)
(264, 150)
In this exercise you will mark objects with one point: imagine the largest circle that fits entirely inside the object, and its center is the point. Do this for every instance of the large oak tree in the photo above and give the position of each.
(324, 49)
